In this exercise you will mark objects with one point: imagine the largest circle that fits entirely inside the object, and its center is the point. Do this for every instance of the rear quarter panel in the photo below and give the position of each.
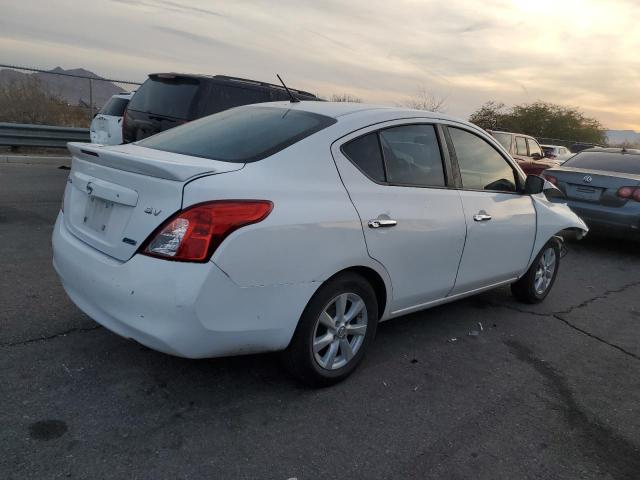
(313, 231)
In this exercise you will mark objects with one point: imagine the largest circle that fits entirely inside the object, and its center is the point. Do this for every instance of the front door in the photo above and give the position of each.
(501, 223)
(413, 223)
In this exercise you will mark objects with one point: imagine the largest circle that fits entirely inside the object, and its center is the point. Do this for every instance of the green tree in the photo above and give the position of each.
(540, 119)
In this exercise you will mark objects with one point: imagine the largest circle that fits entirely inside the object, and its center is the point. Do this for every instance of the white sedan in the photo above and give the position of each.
(298, 227)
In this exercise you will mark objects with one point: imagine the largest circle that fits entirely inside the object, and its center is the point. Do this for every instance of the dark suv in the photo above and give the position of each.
(525, 150)
(166, 100)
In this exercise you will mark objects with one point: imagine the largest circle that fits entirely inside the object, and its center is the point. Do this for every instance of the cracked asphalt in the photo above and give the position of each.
(550, 391)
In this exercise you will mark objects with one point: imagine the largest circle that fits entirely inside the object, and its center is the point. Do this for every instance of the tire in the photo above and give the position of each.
(332, 360)
(529, 288)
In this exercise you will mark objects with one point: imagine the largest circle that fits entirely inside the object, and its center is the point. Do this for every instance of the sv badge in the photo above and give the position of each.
(153, 211)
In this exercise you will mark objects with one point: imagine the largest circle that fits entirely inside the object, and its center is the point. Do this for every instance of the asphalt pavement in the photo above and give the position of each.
(550, 391)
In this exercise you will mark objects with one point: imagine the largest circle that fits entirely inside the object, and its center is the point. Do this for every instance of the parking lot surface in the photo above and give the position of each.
(545, 391)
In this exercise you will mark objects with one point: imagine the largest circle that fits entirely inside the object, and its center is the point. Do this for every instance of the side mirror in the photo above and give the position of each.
(533, 185)
(536, 156)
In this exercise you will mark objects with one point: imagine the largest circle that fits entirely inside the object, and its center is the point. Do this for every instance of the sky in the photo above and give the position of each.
(581, 53)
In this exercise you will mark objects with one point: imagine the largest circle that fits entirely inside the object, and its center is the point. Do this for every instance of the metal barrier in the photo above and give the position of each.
(24, 135)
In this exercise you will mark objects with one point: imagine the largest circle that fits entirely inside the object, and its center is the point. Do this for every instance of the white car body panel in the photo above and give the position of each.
(107, 129)
(250, 295)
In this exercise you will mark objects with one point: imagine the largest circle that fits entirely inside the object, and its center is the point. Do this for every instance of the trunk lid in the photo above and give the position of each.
(117, 196)
(593, 186)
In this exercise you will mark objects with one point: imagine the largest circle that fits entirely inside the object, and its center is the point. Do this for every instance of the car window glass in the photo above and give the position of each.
(481, 166)
(412, 155)
(115, 106)
(365, 153)
(521, 146)
(242, 134)
(171, 97)
(504, 139)
(533, 147)
(610, 162)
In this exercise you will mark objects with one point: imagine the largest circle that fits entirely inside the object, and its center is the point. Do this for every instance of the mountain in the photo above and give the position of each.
(620, 137)
(73, 90)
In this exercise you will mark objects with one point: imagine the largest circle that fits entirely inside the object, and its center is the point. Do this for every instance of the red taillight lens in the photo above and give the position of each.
(636, 194)
(551, 179)
(192, 235)
(625, 192)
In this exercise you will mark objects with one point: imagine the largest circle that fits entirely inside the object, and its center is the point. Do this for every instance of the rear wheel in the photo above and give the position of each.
(334, 332)
(536, 284)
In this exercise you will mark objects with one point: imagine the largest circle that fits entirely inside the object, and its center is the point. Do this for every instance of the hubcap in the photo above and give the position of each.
(340, 331)
(545, 270)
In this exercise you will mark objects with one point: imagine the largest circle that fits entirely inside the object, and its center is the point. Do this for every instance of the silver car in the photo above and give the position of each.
(602, 185)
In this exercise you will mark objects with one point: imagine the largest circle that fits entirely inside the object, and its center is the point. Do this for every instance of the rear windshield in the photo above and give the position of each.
(243, 134)
(115, 106)
(609, 162)
(170, 97)
(503, 138)
(549, 149)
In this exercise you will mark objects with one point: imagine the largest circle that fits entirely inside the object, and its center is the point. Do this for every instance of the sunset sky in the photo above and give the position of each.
(581, 53)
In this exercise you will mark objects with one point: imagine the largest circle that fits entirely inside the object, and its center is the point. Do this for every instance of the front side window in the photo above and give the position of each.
(365, 153)
(243, 134)
(521, 146)
(412, 156)
(534, 147)
(481, 166)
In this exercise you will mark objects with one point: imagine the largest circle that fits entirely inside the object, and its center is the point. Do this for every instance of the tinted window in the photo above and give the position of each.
(549, 150)
(412, 155)
(521, 146)
(170, 97)
(223, 97)
(243, 134)
(533, 147)
(504, 139)
(115, 106)
(610, 162)
(481, 166)
(365, 153)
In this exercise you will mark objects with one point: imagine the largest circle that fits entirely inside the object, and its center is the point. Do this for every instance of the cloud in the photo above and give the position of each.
(575, 52)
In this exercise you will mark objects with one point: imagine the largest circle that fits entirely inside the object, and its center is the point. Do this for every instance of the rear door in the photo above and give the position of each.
(501, 223)
(412, 221)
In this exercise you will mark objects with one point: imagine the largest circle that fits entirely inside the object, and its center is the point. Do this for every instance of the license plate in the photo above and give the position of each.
(585, 193)
(97, 214)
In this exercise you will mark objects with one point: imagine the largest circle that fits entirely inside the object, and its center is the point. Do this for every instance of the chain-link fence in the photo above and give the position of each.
(79, 89)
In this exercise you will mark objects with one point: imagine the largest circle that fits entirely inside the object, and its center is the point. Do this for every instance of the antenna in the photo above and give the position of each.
(294, 99)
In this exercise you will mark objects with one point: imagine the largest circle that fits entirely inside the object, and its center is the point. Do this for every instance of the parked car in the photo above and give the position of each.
(106, 126)
(525, 150)
(166, 100)
(298, 227)
(557, 153)
(602, 185)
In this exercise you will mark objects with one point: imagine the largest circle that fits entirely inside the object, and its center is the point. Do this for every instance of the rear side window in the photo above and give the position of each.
(521, 146)
(115, 107)
(412, 155)
(504, 139)
(365, 153)
(481, 166)
(240, 135)
(170, 97)
(609, 162)
(533, 147)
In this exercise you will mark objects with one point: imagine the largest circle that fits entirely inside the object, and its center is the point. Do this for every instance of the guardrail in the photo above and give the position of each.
(25, 135)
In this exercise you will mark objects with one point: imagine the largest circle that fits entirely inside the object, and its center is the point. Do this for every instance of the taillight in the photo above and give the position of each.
(551, 179)
(632, 193)
(193, 234)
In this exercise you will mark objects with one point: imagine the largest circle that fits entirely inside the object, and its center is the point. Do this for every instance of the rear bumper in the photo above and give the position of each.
(183, 309)
(619, 219)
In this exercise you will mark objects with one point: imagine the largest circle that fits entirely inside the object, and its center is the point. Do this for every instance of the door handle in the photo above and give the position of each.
(379, 222)
(481, 217)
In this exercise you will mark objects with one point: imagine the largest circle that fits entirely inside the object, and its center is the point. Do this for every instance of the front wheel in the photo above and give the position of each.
(334, 332)
(536, 284)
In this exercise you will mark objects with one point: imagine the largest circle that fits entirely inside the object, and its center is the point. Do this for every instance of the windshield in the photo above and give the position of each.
(171, 97)
(608, 162)
(243, 134)
(115, 106)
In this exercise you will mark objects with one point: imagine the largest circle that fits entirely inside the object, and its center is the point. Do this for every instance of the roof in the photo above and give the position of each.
(342, 109)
